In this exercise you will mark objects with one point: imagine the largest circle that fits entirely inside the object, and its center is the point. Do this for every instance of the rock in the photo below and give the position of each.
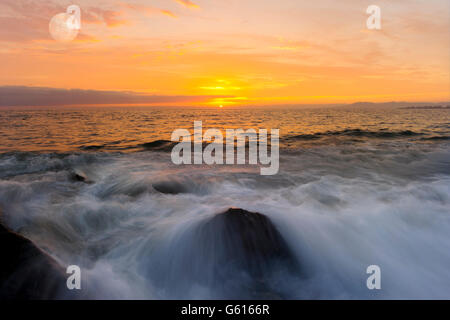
(27, 273)
(170, 187)
(79, 177)
(236, 254)
(249, 240)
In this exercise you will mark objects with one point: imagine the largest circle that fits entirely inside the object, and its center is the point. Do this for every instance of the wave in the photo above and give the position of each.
(92, 147)
(160, 145)
(356, 135)
(437, 138)
(156, 145)
(110, 146)
(381, 134)
(22, 163)
(145, 228)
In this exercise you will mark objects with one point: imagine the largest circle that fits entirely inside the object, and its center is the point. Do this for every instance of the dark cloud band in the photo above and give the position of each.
(11, 96)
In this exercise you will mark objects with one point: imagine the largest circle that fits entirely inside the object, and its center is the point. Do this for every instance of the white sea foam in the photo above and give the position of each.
(340, 209)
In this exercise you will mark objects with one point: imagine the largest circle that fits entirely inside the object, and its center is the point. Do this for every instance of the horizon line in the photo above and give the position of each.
(14, 96)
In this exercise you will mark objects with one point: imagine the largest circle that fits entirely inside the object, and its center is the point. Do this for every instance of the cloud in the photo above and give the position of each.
(15, 96)
(168, 13)
(188, 4)
(149, 10)
(28, 20)
(85, 38)
(97, 15)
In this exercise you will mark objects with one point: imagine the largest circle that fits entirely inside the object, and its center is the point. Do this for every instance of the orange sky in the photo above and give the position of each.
(241, 51)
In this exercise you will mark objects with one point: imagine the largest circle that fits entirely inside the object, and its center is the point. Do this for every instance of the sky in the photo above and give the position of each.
(225, 52)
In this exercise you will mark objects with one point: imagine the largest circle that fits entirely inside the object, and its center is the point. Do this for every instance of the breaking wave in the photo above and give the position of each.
(285, 141)
(380, 134)
(140, 227)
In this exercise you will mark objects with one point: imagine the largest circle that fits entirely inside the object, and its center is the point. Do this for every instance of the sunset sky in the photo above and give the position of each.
(227, 52)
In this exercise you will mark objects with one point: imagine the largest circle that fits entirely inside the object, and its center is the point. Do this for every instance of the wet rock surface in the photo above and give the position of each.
(236, 254)
(28, 273)
(249, 239)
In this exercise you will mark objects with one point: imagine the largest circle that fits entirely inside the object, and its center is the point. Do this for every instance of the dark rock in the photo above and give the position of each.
(170, 187)
(77, 177)
(238, 254)
(249, 240)
(27, 273)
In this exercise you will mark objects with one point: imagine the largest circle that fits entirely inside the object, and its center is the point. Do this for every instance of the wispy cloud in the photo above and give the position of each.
(149, 10)
(168, 13)
(98, 15)
(187, 3)
(29, 22)
(26, 22)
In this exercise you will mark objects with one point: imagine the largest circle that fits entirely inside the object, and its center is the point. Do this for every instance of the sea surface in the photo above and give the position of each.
(356, 187)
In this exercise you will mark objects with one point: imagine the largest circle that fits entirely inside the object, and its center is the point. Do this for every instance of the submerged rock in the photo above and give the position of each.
(182, 184)
(170, 187)
(79, 177)
(236, 254)
(249, 240)
(27, 273)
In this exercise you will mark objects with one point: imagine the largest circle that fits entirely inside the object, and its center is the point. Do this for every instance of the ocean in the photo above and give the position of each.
(95, 187)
